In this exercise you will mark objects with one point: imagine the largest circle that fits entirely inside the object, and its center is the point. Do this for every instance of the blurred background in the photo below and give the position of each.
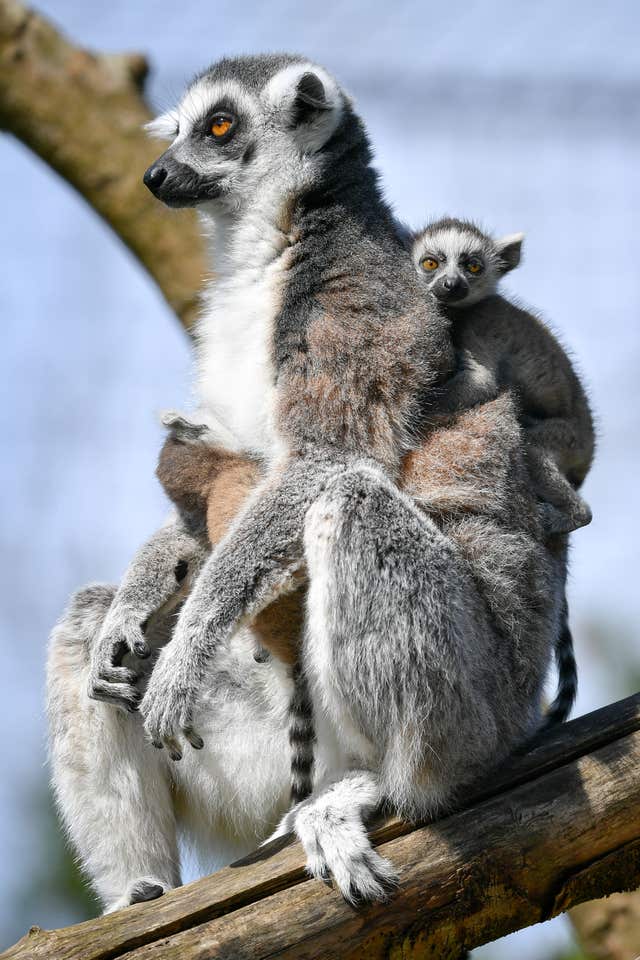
(524, 116)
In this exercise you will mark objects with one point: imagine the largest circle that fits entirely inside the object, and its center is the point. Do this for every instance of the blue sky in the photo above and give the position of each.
(524, 116)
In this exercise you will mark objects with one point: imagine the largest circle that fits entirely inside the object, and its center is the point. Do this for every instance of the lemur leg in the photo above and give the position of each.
(113, 792)
(405, 663)
(158, 578)
(256, 561)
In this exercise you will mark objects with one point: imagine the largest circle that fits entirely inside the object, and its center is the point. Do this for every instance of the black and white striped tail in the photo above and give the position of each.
(560, 709)
(302, 737)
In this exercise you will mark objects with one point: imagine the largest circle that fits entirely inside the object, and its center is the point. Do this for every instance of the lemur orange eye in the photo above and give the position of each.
(220, 126)
(474, 266)
(429, 264)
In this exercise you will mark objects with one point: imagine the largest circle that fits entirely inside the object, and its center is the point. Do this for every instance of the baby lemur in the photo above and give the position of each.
(501, 344)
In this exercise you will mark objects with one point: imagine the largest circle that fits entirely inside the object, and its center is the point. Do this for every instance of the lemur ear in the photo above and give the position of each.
(164, 127)
(309, 99)
(309, 102)
(510, 250)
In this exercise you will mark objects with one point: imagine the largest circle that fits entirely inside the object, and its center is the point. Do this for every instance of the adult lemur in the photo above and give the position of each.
(318, 344)
(429, 630)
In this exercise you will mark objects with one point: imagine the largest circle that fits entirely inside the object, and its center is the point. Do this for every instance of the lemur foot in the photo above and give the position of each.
(564, 520)
(337, 847)
(340, 849)
(146, 888)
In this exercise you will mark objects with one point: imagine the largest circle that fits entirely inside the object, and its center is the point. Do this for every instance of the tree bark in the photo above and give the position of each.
(558, 825)
(83, 113)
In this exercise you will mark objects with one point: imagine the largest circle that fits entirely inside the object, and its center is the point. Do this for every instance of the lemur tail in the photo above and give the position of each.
(302, 737)
(560, 709)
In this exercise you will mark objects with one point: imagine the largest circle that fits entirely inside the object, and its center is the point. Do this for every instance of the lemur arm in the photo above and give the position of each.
(158, 577)
(473, 383)
(258, 560)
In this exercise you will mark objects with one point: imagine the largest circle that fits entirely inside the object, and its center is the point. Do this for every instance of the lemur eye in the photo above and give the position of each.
(474, 266)
(220, 125)
(429, 264)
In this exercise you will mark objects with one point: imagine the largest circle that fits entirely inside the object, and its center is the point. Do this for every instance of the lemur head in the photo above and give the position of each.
(246, 126)
(461, 264)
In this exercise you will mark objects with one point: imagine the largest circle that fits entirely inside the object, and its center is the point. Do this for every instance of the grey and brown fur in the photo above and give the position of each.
(500, 345)
(431, 614)
(354, 344)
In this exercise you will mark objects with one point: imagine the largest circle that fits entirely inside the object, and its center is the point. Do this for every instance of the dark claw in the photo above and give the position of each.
(144, 891)
(157, 744)
(175, 755)
(141, 650)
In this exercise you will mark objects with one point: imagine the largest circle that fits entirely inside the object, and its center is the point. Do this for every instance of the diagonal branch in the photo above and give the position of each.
(558, 825)
(82, 113)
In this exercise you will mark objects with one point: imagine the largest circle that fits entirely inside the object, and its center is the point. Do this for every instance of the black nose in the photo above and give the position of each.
(448, 283)
(154, 177)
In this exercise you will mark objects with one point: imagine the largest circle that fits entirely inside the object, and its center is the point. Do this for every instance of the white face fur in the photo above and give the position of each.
(232, 141)
(462, 265)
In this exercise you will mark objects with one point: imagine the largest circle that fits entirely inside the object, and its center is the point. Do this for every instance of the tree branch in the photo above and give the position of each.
(560, 824)
(82, 113)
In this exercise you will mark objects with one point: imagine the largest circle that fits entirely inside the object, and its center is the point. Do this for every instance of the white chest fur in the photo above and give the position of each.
(236, 380)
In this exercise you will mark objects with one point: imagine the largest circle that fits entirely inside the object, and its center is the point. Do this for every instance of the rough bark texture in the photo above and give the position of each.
(560, 824)
(82, 113)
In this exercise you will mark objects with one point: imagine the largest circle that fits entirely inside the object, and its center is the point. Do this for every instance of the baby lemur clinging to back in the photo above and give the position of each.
(503, 345)
(500, 345)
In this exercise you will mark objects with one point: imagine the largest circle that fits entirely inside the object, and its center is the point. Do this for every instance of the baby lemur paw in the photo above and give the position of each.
(182, 429)
(556, 520)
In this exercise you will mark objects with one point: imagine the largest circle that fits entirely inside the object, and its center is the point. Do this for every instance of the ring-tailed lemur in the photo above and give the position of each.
(317, 345)
(429, 630)
(502, 344)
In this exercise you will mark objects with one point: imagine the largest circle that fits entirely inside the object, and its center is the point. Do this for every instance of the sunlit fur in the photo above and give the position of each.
(318, 348)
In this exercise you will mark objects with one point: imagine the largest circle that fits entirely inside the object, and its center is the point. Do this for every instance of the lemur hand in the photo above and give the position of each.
(109, 681)
(167, 706)
(211, 433)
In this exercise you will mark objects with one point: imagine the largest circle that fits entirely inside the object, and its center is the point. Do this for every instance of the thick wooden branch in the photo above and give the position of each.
(560, 824)
(82, 113)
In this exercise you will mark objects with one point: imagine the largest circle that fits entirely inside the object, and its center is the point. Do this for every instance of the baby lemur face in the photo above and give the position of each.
(461, 264)
(247, 128)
